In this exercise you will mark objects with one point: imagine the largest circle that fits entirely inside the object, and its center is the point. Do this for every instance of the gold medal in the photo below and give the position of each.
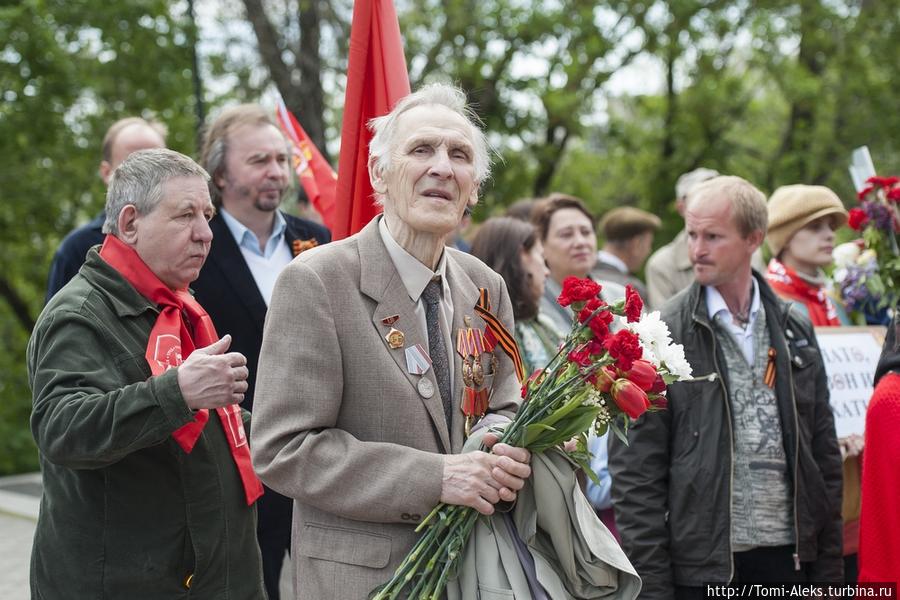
(395, 338)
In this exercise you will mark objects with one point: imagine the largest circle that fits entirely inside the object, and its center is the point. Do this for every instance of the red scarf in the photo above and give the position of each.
(788, 284)
(171, 341)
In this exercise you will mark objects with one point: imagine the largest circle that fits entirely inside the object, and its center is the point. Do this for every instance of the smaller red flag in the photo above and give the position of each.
(318, 179)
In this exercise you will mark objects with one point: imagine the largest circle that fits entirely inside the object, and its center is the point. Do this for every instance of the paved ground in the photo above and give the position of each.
(19, 503)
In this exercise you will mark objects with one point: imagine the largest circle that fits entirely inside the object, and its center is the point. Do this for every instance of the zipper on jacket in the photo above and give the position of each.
(730, 448)
(787, 345)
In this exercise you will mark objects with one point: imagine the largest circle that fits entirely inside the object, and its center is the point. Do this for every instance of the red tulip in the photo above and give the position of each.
(643, 373)
(659, 385)
(630, 398)
(604, 378)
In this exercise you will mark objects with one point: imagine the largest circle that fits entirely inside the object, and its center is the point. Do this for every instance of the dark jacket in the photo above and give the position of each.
(672, 484)
(71, 253)
(228, 292)
(125, 512)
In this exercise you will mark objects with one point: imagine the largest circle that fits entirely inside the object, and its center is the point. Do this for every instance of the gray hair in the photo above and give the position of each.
(441, 94)
(139, 181)
(692, 179)
(748, 205)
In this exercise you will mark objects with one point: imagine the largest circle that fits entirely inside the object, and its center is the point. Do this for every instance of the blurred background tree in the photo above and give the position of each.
(610, 101)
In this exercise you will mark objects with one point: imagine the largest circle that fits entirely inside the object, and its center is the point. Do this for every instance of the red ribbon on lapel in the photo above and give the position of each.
(171, 341)
(496, 333)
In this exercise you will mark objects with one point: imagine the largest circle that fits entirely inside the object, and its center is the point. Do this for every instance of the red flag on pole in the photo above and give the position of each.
(376, 80)
(315, 174)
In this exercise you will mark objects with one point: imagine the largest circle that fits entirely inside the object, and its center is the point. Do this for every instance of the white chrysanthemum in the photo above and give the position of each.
(672, 356)
(845, 254)
(653, 334)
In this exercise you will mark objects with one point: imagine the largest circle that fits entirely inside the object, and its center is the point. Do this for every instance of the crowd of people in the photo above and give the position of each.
(335, 373)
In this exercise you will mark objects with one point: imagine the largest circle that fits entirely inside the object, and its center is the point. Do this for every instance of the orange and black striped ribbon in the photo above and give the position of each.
(497, 333)
(769, 377)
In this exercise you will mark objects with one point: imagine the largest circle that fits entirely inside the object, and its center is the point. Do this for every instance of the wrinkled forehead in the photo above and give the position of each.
(430, 121)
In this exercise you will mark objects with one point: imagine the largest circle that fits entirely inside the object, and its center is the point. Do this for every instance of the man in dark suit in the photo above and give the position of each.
(248, 161)
(121, 139)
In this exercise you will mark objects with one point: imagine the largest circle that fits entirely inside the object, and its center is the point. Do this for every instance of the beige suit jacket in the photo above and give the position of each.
(339, 424)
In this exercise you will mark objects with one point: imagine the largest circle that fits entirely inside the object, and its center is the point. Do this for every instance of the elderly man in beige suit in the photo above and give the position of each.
(345, 420)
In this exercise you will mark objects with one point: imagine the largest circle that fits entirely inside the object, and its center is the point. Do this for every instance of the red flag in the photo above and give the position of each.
(315, 174)
(376, 80)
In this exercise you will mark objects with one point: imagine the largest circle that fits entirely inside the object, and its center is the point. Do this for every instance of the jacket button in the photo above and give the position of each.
(798, 361)
(405, 516)
(696, 434)
(789, 334)
(415, 517)
(188, 581)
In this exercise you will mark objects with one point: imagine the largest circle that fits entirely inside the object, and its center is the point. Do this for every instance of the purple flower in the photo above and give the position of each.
(880, 215)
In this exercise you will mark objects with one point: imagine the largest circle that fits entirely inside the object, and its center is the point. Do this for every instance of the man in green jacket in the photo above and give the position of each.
(148, 488)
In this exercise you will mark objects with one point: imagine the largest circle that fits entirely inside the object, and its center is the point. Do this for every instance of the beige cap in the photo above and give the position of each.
(792, 207)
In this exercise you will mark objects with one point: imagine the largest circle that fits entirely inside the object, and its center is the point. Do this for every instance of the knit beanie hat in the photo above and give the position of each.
(792, 207)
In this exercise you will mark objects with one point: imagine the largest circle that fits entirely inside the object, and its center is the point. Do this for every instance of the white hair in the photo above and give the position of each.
(139, 181)
(441, 94)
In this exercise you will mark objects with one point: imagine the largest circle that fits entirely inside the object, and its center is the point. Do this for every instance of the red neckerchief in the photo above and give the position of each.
(785, 281)
(171, 341)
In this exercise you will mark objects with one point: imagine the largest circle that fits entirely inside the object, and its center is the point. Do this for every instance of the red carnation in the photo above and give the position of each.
(580, 357)
(634, 304)
(600, 325)
(575, 289)
(884, 182)
(532, 378)
(861, 195)
(594, 348)
(589, 307)
(630, 398)
(857, 219)
(643, 373)
(625, 348)
(894, 194)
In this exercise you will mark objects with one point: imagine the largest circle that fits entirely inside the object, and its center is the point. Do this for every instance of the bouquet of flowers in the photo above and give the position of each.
(598, 380)
(868, 271)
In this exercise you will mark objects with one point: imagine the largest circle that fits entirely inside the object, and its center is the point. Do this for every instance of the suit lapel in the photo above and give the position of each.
(225, 253)
(380, 281)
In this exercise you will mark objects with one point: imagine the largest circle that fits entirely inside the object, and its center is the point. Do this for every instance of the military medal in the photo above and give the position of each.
(472, 349)
(388, 321)
(395, 338)
(425, 387)
(417, 360)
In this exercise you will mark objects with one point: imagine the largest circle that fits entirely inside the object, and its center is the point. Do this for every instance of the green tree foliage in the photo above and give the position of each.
(67, 71)
(775, 92)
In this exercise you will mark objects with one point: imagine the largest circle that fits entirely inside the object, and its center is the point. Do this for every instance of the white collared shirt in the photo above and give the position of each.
(612, 260)
(719, 312)
(415, 276)
(265, 266)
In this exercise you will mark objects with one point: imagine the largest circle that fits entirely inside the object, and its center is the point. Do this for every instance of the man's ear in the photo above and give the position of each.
(473, 198)
(105, 171)
(756, 238)
(128, 224)
(376, 176)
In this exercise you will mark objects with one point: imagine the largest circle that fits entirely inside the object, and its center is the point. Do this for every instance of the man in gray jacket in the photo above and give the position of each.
(740, 479)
